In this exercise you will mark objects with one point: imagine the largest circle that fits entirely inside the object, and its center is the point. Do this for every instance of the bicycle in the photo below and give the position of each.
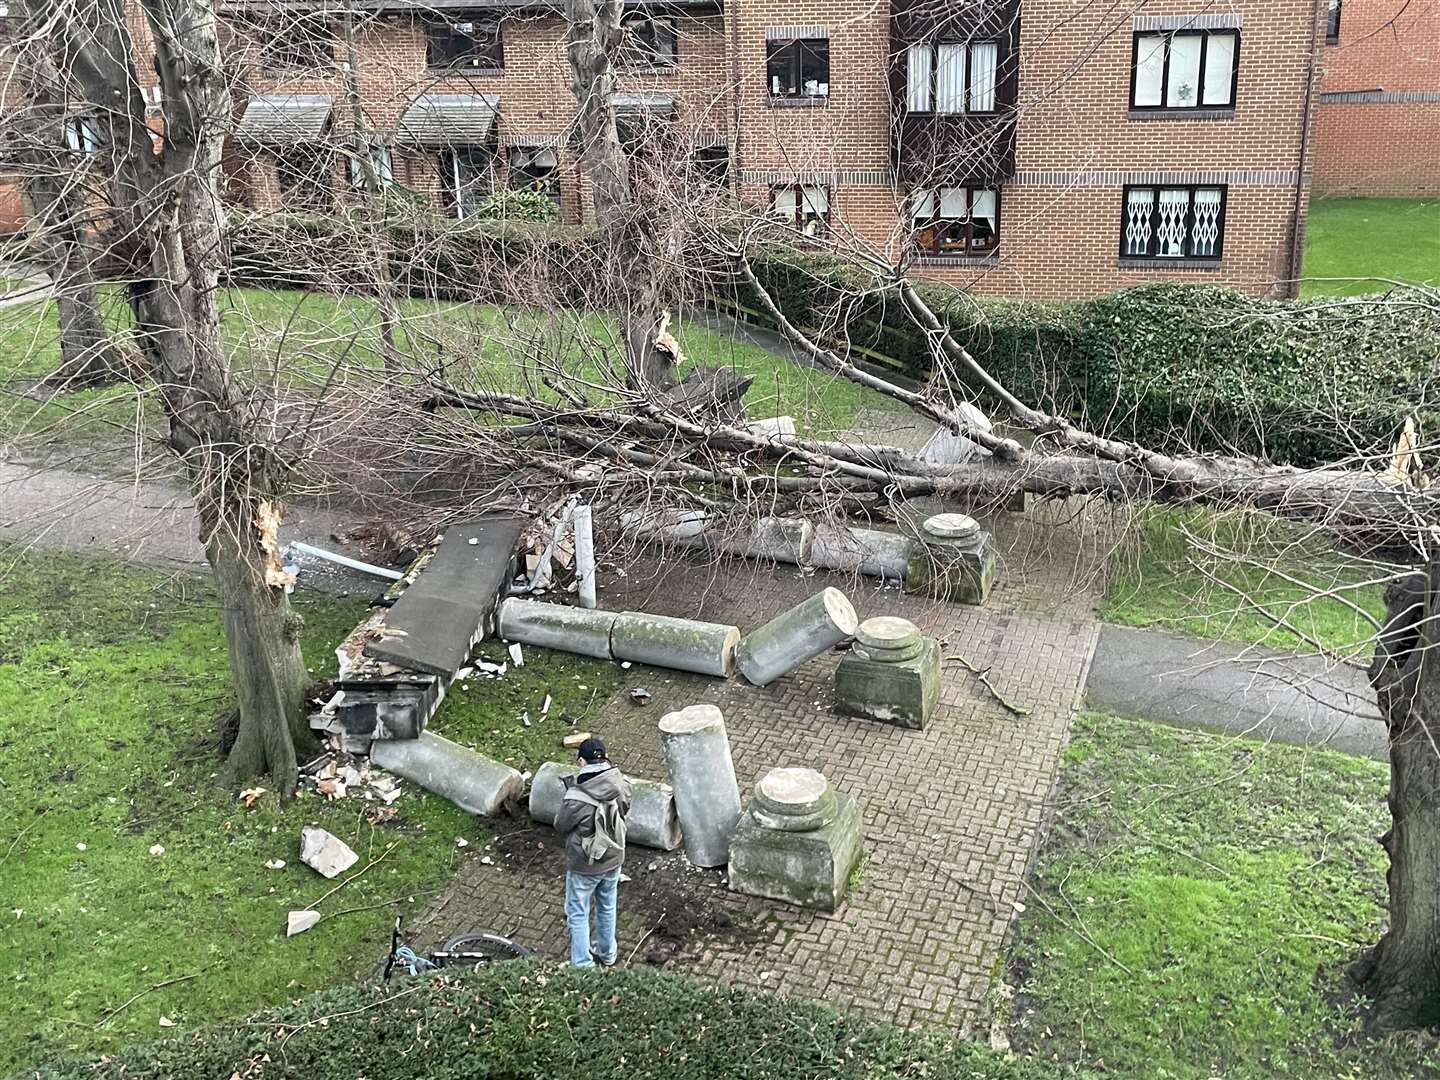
(473, 949)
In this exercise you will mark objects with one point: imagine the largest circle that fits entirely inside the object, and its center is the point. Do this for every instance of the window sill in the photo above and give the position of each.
(1167, 264)
(798, 102)
(990, 258)
(1181, 114)
(648, 69)
(462, 69)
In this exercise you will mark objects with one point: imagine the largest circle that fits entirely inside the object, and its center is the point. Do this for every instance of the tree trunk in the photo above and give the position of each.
(1401, 974)
(630, 227)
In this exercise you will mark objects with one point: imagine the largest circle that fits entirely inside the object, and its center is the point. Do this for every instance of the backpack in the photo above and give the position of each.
(609, 834)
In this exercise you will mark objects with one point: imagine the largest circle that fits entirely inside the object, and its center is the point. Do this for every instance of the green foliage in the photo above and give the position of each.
(1172, 366)
(1233, 880)
(1166, 576)
(507, 204)
(111, 682)
(1356, 245)
(524, 1019)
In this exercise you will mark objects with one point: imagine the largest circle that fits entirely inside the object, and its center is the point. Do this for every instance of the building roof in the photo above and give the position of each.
(443, 120)
(285, 119)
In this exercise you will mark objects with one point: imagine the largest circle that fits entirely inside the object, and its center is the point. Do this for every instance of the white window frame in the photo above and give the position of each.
(961, 60)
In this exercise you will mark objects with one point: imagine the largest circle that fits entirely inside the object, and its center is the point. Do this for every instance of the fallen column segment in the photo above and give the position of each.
(682, 644)
(553, 626)
(475, 783)
(800, 634)
(702, 773)
(652, 822)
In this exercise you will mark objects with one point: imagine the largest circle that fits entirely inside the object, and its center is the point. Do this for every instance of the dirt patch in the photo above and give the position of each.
(687, 909)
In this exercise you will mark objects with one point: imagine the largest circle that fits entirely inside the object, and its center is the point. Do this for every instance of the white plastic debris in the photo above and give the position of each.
(157, 849)
(300, 921)
(165, 1021)
(274, 864)
(79, 847)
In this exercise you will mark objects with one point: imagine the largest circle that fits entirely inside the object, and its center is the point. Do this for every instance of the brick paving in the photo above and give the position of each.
(951, 814)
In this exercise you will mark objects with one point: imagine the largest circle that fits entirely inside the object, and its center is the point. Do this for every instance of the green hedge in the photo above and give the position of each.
(1173, 366)
(525, 1019)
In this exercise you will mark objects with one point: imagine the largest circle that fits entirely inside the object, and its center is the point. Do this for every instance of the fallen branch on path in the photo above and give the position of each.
(984, 676)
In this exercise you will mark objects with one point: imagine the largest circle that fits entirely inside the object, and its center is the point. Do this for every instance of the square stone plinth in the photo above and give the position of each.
(811, 869)
(962, 573)
(902, 692)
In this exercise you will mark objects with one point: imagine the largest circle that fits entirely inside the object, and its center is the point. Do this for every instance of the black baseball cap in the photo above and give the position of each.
(593, 750)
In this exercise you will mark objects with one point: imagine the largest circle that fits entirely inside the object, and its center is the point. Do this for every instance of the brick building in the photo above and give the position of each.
(1379, 108)
(1027, 147)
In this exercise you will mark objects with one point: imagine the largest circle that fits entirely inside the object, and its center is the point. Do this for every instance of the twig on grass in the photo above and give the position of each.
(382, 903)
(1080, 933)
(984, 676)
(21, 835)
(150, 990)
(359, 873)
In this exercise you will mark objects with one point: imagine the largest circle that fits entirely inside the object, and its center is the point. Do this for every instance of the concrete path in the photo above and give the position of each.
(1305, 700)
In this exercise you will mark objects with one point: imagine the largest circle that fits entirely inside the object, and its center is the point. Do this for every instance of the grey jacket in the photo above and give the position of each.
(576, 820)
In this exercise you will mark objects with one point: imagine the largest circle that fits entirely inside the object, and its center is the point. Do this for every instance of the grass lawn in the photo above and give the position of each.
(1164, 577)
(111, 680)
(1394, 239)
(308, 341)
(1233, 881)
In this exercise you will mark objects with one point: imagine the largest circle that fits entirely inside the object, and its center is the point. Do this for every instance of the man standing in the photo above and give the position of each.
(592, 821)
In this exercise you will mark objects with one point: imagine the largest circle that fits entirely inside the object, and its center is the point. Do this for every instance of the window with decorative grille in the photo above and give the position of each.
(1173, 222)
(955, 220)
(951, 76)
(798, 68)
(467, 45)
(1185, 69)
(805, 207)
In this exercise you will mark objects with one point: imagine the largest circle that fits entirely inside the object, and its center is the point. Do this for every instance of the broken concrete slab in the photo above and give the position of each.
(800, 634)
(325, 852)
(554, 626)
(447, 609)
(683, 644)
(475, 783)
(702, 773)
(652, 822)
(299, 921)
(798, 842)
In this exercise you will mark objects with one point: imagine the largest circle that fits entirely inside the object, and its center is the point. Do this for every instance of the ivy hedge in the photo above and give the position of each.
(526, 1019)
(1174, 366)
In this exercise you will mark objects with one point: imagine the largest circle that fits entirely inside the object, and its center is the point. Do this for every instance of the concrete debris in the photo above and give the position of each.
(300, 921)
(517, 654)
(574, 739)
(639, 695)
(324, 852)
(274, 864)
(157, 849)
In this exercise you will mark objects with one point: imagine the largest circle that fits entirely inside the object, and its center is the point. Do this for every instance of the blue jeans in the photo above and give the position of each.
(579, 888)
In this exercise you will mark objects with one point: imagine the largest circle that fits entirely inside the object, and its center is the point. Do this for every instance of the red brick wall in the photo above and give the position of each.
(1385, 139)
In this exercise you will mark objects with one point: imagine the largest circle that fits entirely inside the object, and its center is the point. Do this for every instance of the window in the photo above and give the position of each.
(712, 163)
(464, 45)
(799, 68)
(300, 43)
(1186, 69)
(82, 135)
(535, 169)
(384, 167)
(805, 207)
(649, 41)
(956, 220)
(467, 177)
(1173, 223)
(1332, 24)
(951, 77)
(304, 176)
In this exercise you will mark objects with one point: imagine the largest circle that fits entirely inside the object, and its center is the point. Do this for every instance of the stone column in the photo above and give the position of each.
(584, 556)
(702, 772)
(682, 644)
(553, 626)
(475, 783)
(956, 562)
(861, 551)
(890, 674)
(803, 632)
(798, 842)
(652, 821)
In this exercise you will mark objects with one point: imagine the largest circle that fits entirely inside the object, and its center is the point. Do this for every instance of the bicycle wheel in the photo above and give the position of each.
(477, 948)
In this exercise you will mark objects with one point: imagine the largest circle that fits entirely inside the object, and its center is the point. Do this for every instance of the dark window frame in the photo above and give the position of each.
(933, 96)
(549, 183)
(449, 190)
(1332, 22)
(969, 251)
(1152, 245)
(77, 128)
(299, 45)
(712, 164)
(799, 190)
(775, 50)
(479, 55)
(1171, 35)
(638, 54)
(303, 173)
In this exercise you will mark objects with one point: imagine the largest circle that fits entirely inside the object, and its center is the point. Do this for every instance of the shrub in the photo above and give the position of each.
(508, 205)
(524, 1019)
